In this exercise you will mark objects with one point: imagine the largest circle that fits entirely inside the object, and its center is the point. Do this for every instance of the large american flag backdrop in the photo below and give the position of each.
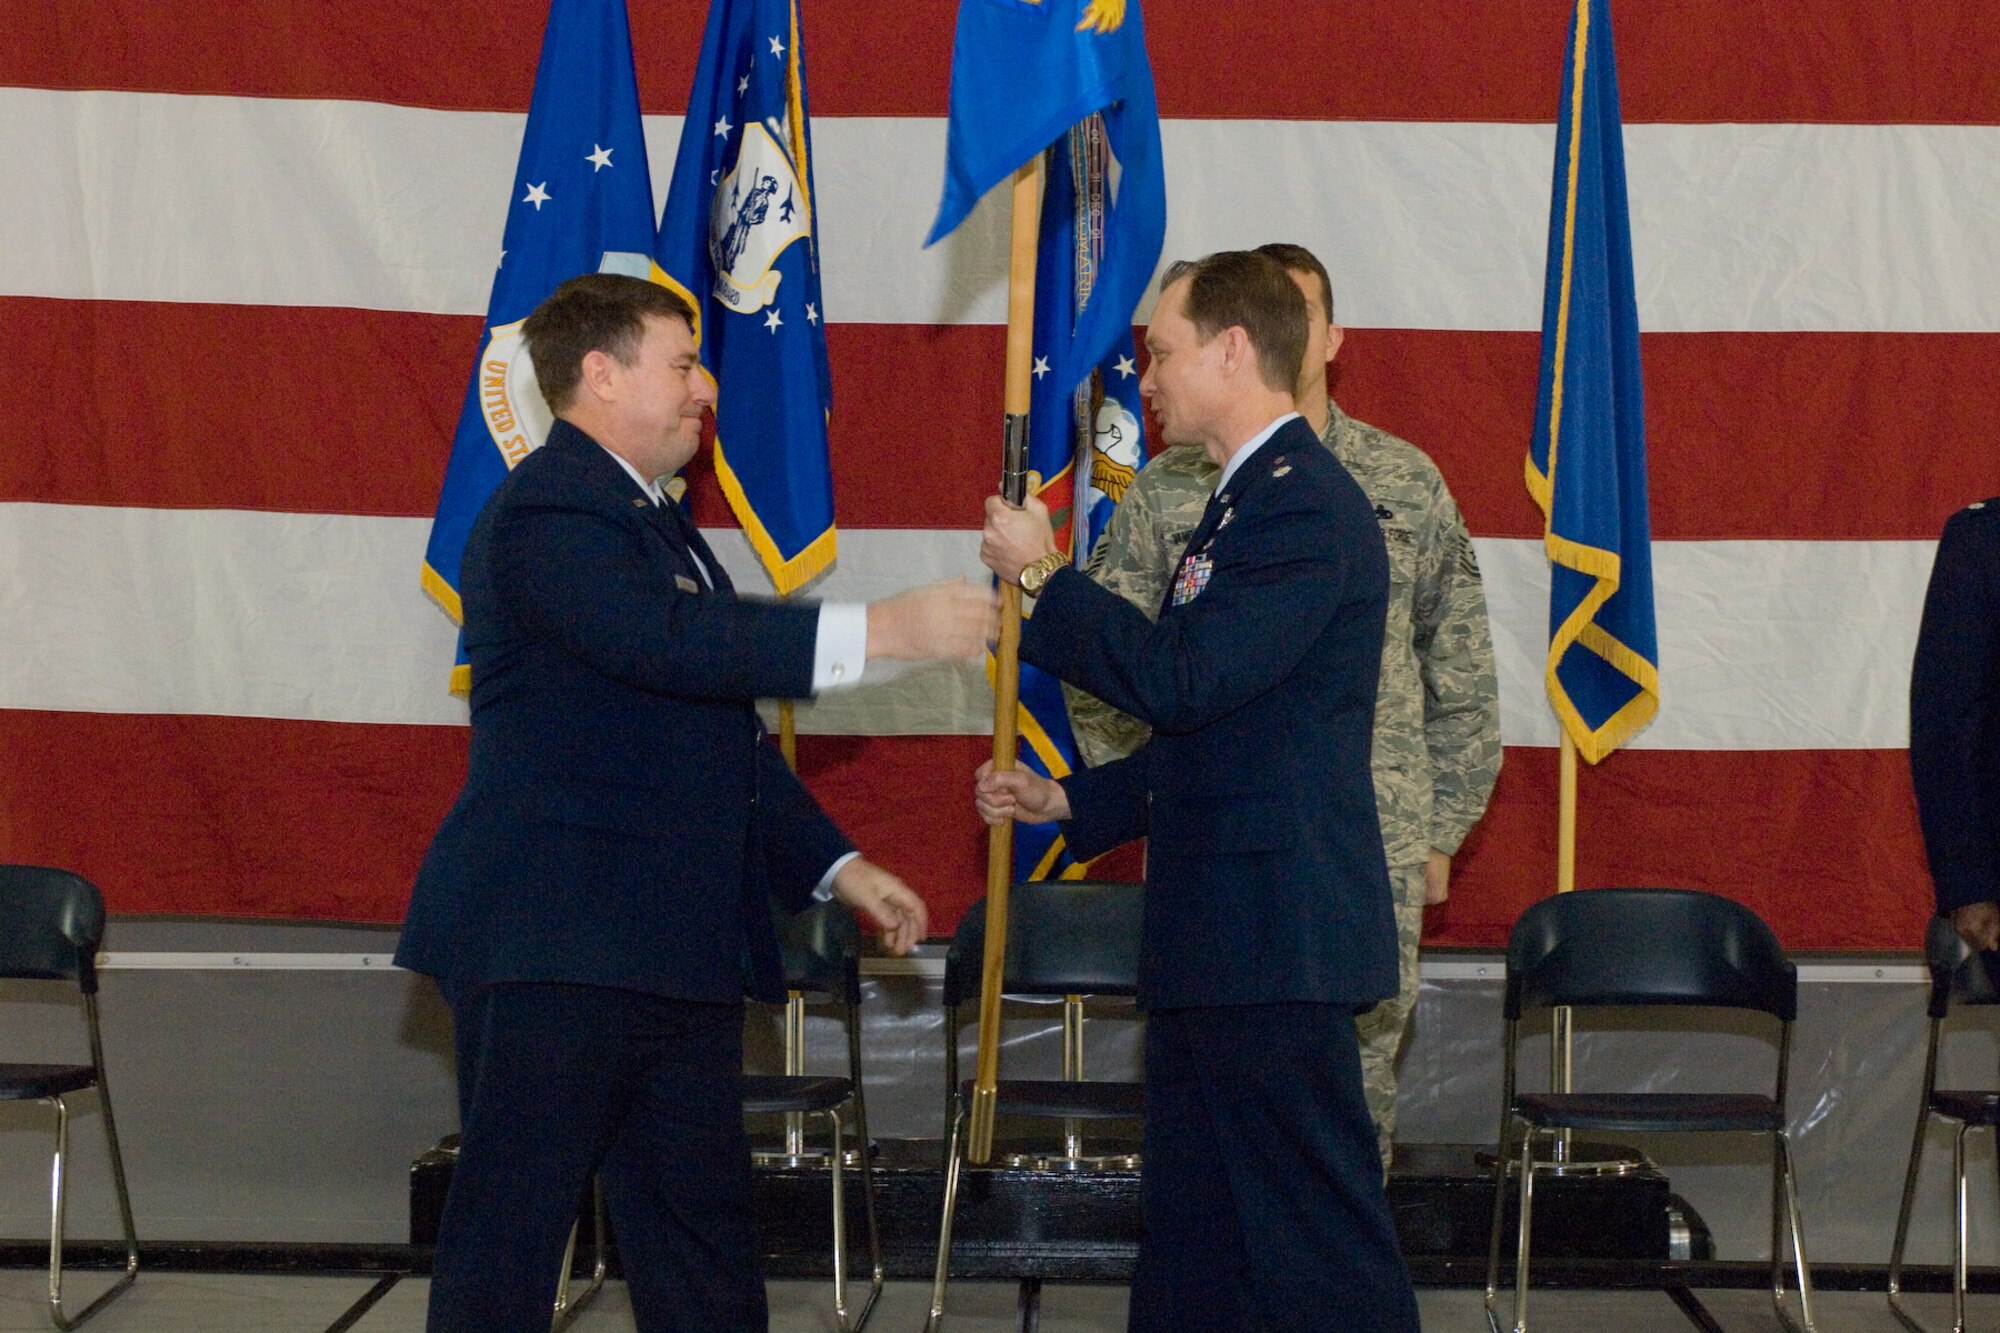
(245, 250)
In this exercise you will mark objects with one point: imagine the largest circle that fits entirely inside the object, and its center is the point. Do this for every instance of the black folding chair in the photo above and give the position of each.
(1958, 975)
(822, 949)
(51, 923)
(1638, 948)
(1068, 938)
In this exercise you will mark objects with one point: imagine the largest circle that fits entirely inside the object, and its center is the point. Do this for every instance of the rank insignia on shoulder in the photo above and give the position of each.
(1280, 466)
(1977, 504)
(1194, 575)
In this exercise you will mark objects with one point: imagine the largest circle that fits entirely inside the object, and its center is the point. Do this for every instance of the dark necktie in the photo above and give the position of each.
(690, 539)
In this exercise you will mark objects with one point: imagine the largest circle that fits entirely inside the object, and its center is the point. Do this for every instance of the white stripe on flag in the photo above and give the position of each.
(1763, 644)
(1772, 227)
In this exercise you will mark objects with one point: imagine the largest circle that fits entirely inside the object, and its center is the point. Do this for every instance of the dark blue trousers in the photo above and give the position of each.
(556, 1082)
(1262, 1186)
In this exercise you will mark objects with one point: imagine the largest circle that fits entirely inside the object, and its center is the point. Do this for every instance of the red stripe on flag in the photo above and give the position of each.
(1701, 60)
(256, 817)
(228, 816)
(1823, 844)
(234, 816)
(1750, 435)
(295, 409)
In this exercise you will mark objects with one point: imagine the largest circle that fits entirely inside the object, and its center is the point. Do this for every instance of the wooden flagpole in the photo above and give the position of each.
(788, 734)
(1007, 673)
(1560, 1041)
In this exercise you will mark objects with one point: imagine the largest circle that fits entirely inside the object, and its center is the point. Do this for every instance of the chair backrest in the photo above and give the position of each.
(51, 922)
(1646, 947)
(821, 950)
(1958, 971)
(1064, 937)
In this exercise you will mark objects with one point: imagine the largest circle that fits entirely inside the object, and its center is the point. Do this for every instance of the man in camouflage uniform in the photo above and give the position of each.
(1437, 710)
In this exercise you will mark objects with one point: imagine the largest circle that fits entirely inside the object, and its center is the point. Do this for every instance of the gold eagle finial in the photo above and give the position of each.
(1102, 16)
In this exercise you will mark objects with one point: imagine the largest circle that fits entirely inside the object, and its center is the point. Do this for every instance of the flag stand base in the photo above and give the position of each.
(1072, 1165)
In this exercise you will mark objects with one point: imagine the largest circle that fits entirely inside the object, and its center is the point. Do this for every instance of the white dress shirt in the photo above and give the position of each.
(1241, 456)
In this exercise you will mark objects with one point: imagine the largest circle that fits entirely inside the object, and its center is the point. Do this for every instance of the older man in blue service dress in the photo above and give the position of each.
(1955, 723)
(597, 901)
(1268, 913)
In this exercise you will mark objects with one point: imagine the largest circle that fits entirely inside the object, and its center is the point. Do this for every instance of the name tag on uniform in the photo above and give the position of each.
(1192, 578)
(686, 584)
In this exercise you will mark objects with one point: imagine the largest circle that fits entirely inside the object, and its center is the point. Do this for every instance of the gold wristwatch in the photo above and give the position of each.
(1035, 577)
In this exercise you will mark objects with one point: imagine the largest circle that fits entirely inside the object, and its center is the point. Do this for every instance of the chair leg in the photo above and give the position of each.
(56, 1198)
(1501, 1159)
(1788, 1199)
(569, 1307)
(58, 1189)
(837, 1173)
(118, 1181)
(561, 1317)
(1777, 1228)
(1903, 1224)
(1958, 1229)
(936, 1319)
(1527, 1214)
(876, 1274)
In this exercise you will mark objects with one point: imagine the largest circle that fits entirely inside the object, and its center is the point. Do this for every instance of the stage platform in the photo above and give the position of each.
(1084, 1226)
(1611, 1252)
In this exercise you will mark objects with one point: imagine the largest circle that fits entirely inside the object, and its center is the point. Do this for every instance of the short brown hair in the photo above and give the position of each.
(598, 312)
(1243, 289)
(1298, 259)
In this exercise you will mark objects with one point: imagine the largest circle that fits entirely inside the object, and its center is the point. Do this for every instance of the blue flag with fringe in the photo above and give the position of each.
(1023, 74)
(739, 238)
(582, 203)
(1085, 443)
(1586, 465)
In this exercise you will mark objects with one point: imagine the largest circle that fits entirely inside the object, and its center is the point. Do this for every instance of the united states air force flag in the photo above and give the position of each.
(1084, 443)
(1021, 75)
(582, 203)
(1101, 430)
(1586, 466)
(738, 239)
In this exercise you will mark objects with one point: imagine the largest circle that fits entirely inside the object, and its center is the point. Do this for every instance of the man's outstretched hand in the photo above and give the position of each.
(879, 897)
(946, 619)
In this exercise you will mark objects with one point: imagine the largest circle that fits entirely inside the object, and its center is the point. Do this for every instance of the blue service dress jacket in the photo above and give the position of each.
(1955, 711)
(625, 822)
(1266, 881)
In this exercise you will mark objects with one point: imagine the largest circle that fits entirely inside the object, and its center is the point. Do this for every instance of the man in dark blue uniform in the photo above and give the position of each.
(1955, 723)
(1268, 913)
(596, 902)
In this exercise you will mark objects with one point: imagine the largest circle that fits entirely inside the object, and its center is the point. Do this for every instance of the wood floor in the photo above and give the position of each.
(165, 1302)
